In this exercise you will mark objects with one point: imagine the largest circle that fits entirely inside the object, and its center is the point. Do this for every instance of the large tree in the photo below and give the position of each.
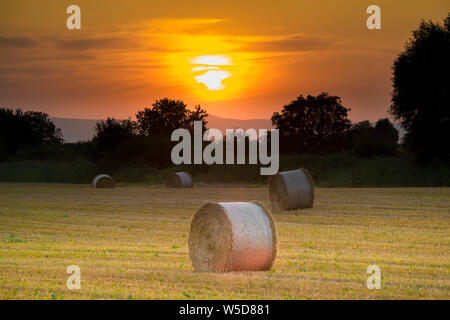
(421, 89)
(20, 129)
(313, 124)
(166, 115)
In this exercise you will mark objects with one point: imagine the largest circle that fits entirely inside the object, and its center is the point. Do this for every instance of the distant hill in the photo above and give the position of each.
(227, 123)
(75, 130)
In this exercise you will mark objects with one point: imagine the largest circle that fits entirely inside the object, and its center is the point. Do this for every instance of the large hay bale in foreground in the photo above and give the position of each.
(103, 181)
(291, 190)
(232, 236)
(179, 180)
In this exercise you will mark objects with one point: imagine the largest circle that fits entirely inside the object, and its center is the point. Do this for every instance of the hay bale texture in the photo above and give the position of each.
(291, 190)
(103, 181)
(232, 236)
(179, 180)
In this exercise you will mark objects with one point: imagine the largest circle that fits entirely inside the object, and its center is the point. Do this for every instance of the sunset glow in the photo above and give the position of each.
(234, 59)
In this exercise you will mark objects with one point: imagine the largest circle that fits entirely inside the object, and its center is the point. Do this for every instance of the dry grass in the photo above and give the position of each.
(131, 242)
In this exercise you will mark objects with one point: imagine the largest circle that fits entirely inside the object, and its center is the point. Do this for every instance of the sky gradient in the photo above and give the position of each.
(237, 59)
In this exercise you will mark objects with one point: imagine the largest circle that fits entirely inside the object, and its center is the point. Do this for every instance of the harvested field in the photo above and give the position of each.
(131, 243)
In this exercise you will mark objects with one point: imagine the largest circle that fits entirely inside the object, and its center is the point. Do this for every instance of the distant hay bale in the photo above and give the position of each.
(232, 236)
(291, 190)
(179, 180)
(103, 181)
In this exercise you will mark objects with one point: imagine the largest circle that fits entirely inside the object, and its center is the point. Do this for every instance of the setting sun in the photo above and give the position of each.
(212, 79)
(213, 76)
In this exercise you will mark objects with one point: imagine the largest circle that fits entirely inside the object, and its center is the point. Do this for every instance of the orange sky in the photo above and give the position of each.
(238, 59)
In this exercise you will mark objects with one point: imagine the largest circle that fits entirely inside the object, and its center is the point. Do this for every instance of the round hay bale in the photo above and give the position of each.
(232, 236)
(103, 181)
(291, 190)
(179, 180)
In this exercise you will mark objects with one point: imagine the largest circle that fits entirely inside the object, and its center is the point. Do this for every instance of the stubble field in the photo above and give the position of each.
(131, 243)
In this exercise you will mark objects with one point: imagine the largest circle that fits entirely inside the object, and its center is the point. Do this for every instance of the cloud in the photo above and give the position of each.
(173, 25)
(16, 42)
(14, 70)
(291, 43)
(201, 68)
(92, 43)
(212, 60)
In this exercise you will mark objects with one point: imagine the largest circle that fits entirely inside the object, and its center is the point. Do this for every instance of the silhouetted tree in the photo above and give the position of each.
(361, 136)
(379, 140)
(313, 124)
(118, 145)
(109, 136)
(166, 115)
(387, 136)
(421, 89)
(20, 129)
(112, 132)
